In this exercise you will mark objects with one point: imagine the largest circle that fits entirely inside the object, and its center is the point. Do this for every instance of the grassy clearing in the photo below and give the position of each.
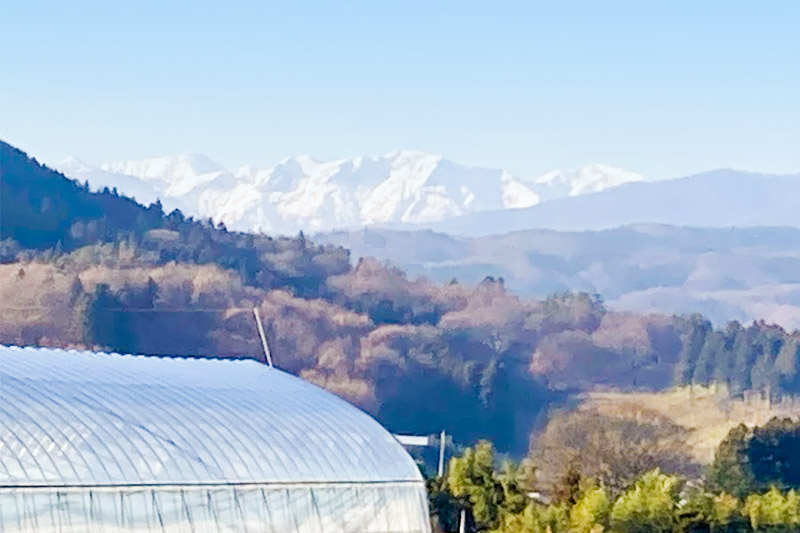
(707, 412)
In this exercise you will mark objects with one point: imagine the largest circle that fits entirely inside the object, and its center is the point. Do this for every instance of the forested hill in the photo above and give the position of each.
(41, 209)
(98, 270)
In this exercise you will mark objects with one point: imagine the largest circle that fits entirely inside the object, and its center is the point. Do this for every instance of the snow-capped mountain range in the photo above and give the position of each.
(301, 193)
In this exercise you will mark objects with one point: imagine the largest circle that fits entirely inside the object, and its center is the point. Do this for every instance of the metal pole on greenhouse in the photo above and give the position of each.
(264, 343)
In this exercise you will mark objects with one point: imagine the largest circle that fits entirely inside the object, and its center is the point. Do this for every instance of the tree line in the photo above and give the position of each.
(751, 487)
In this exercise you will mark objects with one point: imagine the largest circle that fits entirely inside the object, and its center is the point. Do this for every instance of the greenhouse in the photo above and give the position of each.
(102, 442)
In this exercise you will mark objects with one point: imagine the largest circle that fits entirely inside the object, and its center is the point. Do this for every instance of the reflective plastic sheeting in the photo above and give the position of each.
(87, 418)
(381, 508)
(103, 442)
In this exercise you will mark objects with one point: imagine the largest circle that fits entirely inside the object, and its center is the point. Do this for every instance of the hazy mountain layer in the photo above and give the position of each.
(726, 274)
(721, 198)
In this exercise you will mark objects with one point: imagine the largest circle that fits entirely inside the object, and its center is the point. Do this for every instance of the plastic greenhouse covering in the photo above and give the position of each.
(100, 442)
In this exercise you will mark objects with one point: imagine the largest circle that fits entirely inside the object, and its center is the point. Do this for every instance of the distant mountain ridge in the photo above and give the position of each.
(719, 198)
(301, 193)
(726, 274)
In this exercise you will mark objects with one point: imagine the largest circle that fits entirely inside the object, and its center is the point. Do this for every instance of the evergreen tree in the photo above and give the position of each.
(748, 460)
(106, 321)
(590, 512)
(773, 454)
(472, 477)
(730, 472)
(711, 355)
(693, 340)
(488, 495)
(774, 511)
(648, 507)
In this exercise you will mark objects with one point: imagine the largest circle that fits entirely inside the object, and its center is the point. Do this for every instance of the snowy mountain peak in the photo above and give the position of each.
(585, 180)
(73, 164)
(303, 193)
(168, 168)
(300, 159)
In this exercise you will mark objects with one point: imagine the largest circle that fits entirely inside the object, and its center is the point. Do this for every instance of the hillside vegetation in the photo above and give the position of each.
(706, 413)
(99, 270)
(752, 488)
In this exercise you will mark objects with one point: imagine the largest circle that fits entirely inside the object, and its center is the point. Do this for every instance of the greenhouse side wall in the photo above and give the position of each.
(317, 508)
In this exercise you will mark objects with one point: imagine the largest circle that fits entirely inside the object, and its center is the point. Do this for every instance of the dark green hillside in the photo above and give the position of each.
(41, 209)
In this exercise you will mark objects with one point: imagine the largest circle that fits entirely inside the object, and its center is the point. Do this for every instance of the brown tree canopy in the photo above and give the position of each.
(612, 450)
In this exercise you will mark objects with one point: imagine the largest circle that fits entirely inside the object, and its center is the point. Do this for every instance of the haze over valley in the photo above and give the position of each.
(742, 274)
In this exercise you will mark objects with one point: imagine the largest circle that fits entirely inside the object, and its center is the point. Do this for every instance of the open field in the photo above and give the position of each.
(707, 412)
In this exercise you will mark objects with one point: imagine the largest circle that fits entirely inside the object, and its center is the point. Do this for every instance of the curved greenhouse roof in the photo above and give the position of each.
(73, 418)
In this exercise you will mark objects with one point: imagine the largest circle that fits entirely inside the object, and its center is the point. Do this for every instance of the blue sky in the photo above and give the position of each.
(664, 88)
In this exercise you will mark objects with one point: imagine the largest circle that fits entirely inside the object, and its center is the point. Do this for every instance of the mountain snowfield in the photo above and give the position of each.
(301, 193)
